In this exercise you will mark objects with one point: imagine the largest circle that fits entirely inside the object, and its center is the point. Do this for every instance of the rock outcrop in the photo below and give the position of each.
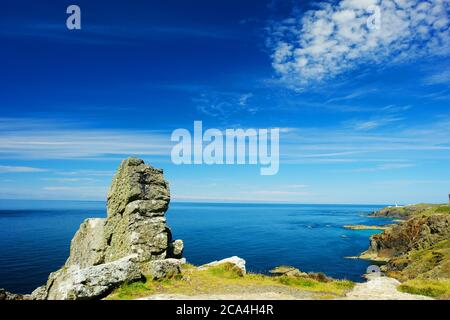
(418, 248)
(234, 260)
(132, 240)
(415, 233)
(5, 295)
(287, 271)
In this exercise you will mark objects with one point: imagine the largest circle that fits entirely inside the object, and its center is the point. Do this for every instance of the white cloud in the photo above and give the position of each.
(365, 125)
(407, 143)
(439, 77)
(335, 38)
(277, 193)
(69, 180)
(15, 169)
(243, 99)
(382, 167)
(45, 139)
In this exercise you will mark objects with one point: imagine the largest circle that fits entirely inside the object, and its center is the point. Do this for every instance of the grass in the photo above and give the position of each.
(427, 272)
(439, 288)
(437, 208)
(429, 263)
(421, 209)
(227, 279)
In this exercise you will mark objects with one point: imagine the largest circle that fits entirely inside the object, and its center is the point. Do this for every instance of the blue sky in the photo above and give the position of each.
(364, 114)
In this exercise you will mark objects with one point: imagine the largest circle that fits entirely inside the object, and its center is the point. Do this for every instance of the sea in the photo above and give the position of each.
(35, 236)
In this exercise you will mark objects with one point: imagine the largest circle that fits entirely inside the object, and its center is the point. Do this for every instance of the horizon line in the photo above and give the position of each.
(229, 202)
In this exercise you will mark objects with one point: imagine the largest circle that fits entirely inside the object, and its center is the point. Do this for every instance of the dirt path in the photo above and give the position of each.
(381, 288)
(251, 292)
(377, 288)
(226, 296)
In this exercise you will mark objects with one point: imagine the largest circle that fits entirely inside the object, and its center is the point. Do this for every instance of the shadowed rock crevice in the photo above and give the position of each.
(133, 239)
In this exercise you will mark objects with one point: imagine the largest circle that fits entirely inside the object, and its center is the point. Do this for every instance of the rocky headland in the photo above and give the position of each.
(416, 251)
(406, 212)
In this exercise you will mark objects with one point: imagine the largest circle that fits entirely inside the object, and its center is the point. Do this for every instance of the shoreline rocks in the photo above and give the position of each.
(6, 295)
(106, 252)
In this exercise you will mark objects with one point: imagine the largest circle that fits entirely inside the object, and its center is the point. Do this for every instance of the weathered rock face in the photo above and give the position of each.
(137, 200)
(415, 233)
(165, 268)
(107, 252)
(88, 246)
(416, 248)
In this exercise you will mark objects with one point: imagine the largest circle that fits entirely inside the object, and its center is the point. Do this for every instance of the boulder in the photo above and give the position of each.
(287, 271)
(176, 249)
(159, 269)
(73, 283)
(238, 262)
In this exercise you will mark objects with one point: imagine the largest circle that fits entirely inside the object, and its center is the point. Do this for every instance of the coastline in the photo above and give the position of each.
(297, 284)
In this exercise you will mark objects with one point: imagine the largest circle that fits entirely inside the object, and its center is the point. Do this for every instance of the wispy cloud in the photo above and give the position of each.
(438, 77)
(278, 193)
(48, 140)
(224, 104)
(353, 95)
(93, 173)
(402, 183)
(334, 38)
(15, 169)
(69, 180)
(112, 34)
(324, 145)
(366, 125)
(345, 145)
(382, 167)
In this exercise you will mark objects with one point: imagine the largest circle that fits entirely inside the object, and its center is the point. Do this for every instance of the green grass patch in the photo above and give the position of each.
(226, 271)
(439, 289)
(227, 279)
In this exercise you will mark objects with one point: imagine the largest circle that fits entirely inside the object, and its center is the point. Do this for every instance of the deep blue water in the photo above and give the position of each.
(35, 236)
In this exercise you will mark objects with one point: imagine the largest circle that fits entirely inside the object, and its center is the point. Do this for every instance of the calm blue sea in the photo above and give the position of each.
(35, 236)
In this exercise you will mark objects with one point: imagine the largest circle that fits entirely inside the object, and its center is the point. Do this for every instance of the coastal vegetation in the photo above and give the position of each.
(406, 212)
(226, 278)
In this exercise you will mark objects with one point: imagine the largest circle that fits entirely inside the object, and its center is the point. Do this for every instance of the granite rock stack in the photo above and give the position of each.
(132, 241)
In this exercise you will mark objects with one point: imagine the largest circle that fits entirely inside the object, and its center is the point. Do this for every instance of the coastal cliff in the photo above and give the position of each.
(416, 250)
